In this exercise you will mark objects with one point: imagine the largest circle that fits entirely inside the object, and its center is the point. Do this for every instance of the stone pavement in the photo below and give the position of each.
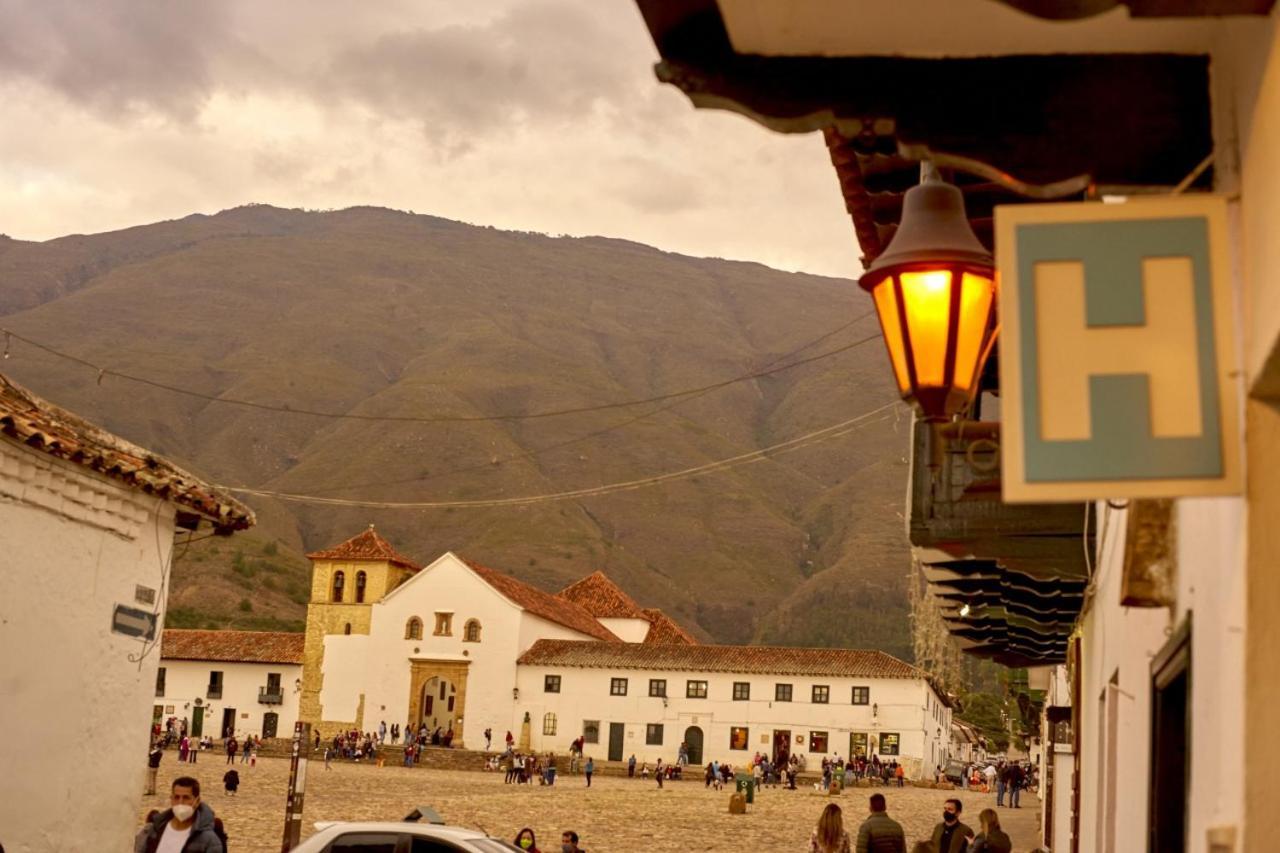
(615, 815)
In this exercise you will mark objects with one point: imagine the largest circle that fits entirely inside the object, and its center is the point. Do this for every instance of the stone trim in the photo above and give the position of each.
(421, 671)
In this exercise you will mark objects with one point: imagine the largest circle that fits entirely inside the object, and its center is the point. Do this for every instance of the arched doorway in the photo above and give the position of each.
(693, 740)
(438, 696)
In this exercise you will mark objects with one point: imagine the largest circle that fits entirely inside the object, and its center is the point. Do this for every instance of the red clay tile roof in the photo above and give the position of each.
(601, 597)
(366, 545)
(39, 424)
(232, 646)
(544, 604)
(665, 630)
(760, 660)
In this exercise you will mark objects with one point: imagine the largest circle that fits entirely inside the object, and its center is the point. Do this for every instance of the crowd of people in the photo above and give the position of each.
(1006, 779)
(880, 833)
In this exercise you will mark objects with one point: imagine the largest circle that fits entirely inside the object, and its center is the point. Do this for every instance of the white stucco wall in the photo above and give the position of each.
(188, 680)
(627, 630)
(900, 706)
(73, 545)
(379, 665)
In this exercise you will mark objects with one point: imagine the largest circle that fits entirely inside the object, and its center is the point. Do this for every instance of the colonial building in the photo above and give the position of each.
(457, 645)
(87, 524)
(230, 682)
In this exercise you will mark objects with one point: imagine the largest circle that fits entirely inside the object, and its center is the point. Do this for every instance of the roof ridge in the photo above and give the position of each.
(541, 603)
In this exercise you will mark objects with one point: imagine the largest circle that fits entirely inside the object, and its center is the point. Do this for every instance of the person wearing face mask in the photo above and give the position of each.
(526, 841)
(951, 836)
(569, 842)
(187, 826)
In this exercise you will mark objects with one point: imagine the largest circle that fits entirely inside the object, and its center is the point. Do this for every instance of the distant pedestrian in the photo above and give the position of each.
(588, 769)
(232, 746)
(829, 836)
(231, 781)
(901, 774)
(880, 833)
(992, 839)
(488, 739)
(153, 766)
(659, 772)
(631, 766)
(951, 836)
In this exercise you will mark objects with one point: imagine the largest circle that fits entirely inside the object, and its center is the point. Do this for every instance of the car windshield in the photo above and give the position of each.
(491, 845)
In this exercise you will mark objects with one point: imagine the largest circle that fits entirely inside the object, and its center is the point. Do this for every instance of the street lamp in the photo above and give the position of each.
(934, 291)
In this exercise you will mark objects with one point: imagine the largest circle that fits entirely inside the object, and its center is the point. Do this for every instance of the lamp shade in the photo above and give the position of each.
(934, 292)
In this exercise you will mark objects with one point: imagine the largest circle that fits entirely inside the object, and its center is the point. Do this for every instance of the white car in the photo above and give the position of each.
(403, 837)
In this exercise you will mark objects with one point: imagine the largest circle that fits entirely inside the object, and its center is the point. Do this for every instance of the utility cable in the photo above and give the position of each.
(577, 410)
(824, 434)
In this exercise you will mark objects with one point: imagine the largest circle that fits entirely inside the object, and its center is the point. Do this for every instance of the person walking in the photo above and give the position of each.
(880, 833)
(901, 774)
(992, 839)
(951, 836)
(231, 781)
(488, 739)
(829, 836)
(588, 769)
(1002, 784)
(631, 766)
(153, 766)
(232, 746)
(184, 746)
(187, 826)
(1016, 781)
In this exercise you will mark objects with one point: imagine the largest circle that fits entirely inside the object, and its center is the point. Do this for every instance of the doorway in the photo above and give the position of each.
(693, 740)
(1170, 742)
(197, 722)
(228, 722)
(617, 731)
(270, 722)
(781, 746)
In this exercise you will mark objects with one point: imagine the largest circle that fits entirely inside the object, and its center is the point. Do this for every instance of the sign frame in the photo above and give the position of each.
(1017, 486)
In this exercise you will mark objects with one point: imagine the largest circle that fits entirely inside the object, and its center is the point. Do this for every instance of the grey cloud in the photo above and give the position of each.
(541, 62)
(116, 57)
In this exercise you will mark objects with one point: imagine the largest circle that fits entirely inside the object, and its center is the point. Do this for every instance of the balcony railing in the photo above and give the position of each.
(214, 691)
(270, 696)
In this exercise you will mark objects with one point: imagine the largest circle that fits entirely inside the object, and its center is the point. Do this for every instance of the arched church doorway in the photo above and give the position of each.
(437, 697)
(693, 740)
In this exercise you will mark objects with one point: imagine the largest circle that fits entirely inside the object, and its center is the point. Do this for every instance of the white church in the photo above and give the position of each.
(458, 645)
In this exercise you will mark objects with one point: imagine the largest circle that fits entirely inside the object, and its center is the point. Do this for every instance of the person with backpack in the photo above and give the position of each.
(187, 826)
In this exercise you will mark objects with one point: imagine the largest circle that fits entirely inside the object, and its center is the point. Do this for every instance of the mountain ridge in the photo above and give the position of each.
(372, 311)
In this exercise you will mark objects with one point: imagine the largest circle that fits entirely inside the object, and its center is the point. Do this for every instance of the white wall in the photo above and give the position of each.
(73, 545)
(378, 666)
(627, 630)
(187, 680)
(899, 706)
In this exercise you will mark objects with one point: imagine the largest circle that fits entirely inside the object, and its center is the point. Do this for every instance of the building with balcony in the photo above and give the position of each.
(221, 683)
(459, 646)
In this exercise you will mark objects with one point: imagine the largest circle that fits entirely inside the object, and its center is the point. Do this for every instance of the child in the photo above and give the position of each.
(231, 779)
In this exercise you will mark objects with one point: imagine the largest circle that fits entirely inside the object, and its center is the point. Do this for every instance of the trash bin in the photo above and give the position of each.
(746, 785)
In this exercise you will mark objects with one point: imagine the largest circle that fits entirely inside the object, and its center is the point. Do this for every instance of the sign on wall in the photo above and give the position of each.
(1118, 367)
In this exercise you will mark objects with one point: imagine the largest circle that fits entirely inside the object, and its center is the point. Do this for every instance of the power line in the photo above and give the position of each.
(187, 392)
(788, 446)
(559, 445)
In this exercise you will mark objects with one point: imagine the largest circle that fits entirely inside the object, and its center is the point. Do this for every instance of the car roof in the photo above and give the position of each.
(430, 830)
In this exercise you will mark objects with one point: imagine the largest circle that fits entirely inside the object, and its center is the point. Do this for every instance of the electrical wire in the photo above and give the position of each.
(559, 445)
(103, 372)
(790, 445)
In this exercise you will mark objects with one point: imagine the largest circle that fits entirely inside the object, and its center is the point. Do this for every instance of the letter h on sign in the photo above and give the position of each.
(1117, 355)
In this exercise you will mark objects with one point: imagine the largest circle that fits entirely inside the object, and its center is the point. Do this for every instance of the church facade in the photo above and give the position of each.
(458, 645)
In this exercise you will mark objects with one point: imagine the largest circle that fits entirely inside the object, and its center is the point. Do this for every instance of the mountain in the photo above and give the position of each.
(373, 313)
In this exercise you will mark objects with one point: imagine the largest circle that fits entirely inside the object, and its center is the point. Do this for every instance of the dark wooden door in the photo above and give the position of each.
(270, 722)
(693, 740)
(197, 722)
(781, 746)
(228, 722)
(617, 731)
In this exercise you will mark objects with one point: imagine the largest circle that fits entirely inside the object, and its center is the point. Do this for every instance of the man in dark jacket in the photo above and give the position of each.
(187, 825)
(951, 836)
(880, 833)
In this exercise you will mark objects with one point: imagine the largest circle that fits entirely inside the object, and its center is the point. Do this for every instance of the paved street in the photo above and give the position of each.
(616, 814)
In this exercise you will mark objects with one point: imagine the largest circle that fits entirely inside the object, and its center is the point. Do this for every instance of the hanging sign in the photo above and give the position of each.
(1118, 365)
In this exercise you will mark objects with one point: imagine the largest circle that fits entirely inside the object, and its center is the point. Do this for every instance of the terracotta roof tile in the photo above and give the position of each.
(665, 630)
(366, 545)
(544, 604)
(601, 597)
(759, 660)
(37, 423)
(232, 646)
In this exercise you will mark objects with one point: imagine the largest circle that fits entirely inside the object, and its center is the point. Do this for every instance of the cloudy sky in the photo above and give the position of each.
(538, 115)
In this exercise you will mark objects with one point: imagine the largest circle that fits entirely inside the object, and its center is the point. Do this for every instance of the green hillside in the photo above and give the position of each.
(375, 312)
